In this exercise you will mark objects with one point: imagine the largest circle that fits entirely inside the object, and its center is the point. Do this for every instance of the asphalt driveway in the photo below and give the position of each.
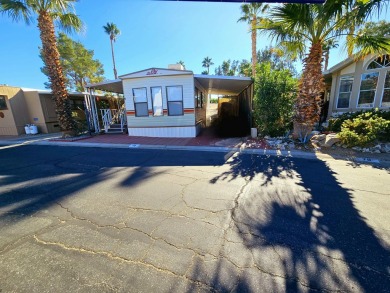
(127, 220)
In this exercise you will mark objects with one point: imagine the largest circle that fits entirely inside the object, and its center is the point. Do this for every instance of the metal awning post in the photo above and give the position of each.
(94, 112)
(87, 111)
(91, 104)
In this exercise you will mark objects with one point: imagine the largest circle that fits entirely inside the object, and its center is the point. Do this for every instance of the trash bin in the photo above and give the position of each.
(33, 129)
(253, 132)
(27, 129)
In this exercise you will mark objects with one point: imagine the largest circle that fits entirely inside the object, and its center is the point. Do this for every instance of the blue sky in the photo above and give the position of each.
(153, 34)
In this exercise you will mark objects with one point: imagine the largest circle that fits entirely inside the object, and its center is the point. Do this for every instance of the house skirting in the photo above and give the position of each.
(175, 131)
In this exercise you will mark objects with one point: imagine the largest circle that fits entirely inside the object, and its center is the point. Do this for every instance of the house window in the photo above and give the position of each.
(140, 102)
(175, 100)
(386, 91)
(380, 62)
(3, 103)
(368, 89)
(198, 98)
(157, 100)
(345, 90)
(77, 105)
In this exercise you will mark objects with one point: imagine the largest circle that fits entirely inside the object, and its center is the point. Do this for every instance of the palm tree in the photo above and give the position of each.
(251, 15)
(309, 28)
(326, 47)
(181, 63)
(112, 30)
(207, 63)
(49, 12)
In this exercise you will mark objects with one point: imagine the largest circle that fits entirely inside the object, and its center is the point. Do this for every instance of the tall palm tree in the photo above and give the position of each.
(326, 47)
(251, 14)
(181, 62)
(112, 30)
(309, 28)
(207, 63)
(49, 13)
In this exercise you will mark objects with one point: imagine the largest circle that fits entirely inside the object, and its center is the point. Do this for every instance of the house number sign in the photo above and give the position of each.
(152, 72)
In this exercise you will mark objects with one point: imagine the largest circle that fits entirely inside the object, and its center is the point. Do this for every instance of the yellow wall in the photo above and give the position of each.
(14, 99)
(31, 107)
(36, 115)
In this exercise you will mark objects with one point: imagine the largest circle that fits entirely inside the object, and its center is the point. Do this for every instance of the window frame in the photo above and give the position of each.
(379, 66)
(339, 92)
(182, 100)
(5, 102)
(375, 90)
(147, 105)
(387, 73)
(198, 98)
(162, 101)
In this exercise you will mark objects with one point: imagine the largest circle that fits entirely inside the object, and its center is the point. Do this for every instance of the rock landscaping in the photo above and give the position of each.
(319, 141)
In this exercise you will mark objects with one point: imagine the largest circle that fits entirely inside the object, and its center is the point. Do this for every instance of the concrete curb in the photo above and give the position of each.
(262, 152)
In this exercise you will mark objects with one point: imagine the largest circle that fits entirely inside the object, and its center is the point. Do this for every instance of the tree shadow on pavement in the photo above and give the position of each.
(33, 178)
(299, 234)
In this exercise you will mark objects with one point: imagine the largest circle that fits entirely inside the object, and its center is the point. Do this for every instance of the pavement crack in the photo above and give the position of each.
(293, 279)
(22, 239)
(115, 257)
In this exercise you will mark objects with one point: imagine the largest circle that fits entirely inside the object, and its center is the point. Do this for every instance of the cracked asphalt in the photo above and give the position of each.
(117, 220)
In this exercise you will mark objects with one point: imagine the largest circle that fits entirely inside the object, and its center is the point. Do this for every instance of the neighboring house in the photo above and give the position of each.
(357, 85)
(173, 102)
(21, 106)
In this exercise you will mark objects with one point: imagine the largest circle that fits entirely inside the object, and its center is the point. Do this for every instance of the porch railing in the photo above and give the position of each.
(113, 116)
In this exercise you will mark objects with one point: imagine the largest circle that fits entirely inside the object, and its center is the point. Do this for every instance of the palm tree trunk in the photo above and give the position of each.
(254, 39)
(51, 59)
(113, 59)
(307, 106)
(326, 62)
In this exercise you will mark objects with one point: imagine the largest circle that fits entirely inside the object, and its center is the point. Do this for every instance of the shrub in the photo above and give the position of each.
(275, 92)
(335, 123)
(364, 129)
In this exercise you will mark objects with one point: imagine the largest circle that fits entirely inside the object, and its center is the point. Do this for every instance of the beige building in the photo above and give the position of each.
(21, 106)
(357, 85)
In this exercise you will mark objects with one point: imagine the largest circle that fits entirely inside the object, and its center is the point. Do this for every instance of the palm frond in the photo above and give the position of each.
(112, 30)
(366, 8)
(16, 10)
(294, 16)
(294, 49)
(69, 22)
(366, 45)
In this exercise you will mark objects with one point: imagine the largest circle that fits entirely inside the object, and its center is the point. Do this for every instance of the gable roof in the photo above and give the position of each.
(340, 65)
(153, 72)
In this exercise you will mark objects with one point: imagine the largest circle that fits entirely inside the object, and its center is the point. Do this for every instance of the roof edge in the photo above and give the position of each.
(186, 71)
(226, 77)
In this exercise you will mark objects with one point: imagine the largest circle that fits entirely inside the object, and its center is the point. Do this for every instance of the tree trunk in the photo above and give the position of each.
(51, 59)
(254, 39)
(113, 59)
(326, 62)
(311, 86)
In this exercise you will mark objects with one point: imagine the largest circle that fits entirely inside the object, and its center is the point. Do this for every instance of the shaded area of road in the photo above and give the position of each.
(82, 219)
(313, 228)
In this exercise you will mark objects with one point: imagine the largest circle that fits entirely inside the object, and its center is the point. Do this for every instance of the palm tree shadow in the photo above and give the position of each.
(318, 238)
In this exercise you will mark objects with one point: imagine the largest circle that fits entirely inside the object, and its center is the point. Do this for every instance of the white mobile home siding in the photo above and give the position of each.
(136, 124)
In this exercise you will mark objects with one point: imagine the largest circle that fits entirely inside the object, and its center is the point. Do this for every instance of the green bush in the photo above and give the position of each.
(275, 92)
(364, 129)
(335, 123)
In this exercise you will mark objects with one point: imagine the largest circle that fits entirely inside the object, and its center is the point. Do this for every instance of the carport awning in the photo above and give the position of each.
(223, 85)
(214, 84)
(114, 86)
